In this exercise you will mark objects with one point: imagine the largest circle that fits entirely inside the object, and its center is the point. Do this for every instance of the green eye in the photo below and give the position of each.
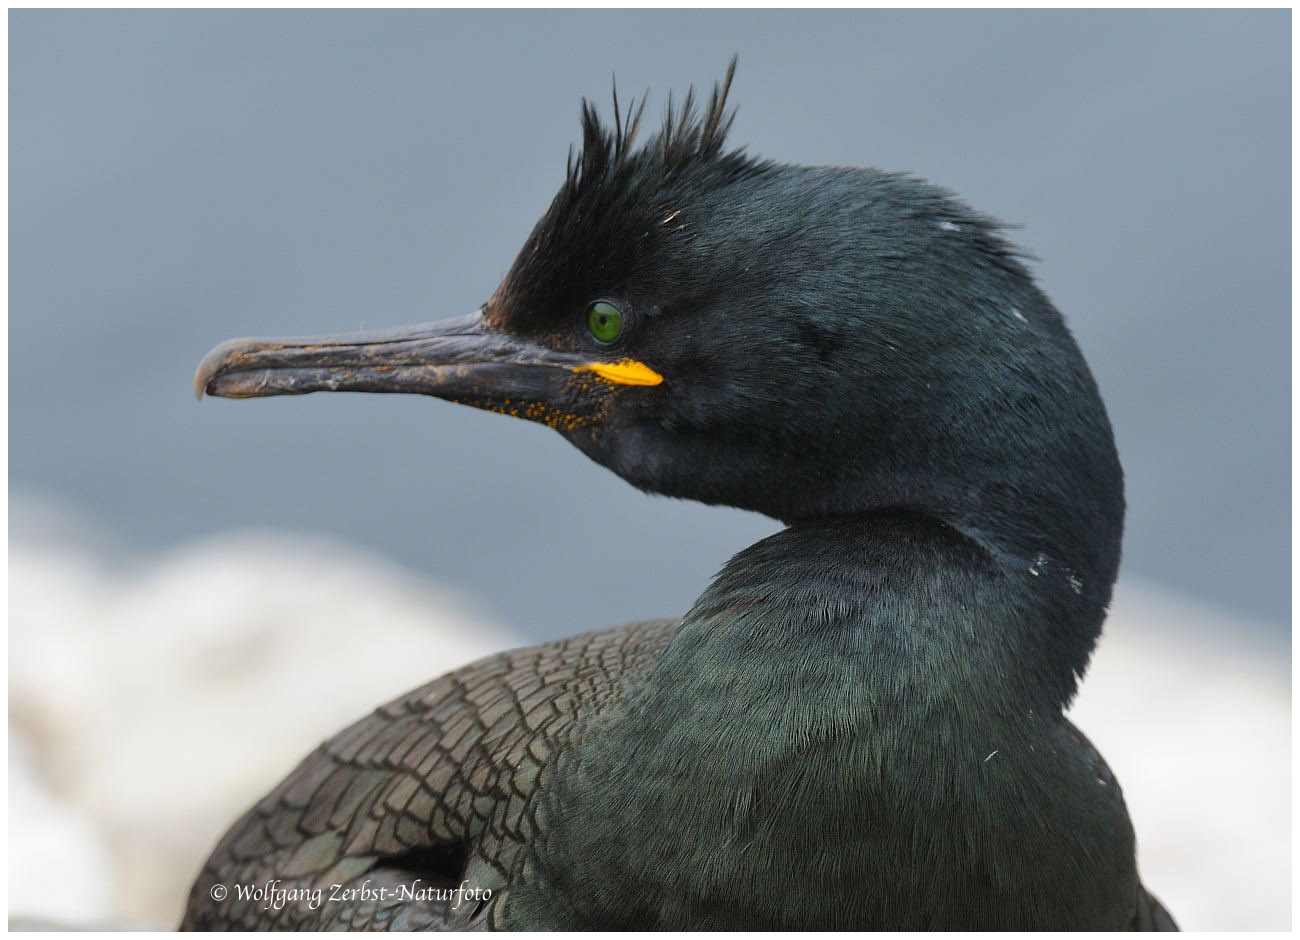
(604, 322)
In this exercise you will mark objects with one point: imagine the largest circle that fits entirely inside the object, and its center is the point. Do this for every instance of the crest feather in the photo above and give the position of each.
(686, 137)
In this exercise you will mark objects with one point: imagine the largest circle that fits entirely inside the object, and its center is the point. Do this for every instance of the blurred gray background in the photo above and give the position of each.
(178, 178)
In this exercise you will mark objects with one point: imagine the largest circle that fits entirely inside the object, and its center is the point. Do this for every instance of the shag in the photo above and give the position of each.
(859, 723)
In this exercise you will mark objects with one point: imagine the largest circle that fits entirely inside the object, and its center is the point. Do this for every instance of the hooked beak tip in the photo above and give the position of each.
(218, 360)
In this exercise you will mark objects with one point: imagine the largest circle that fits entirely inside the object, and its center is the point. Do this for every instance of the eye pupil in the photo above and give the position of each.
(604, 322)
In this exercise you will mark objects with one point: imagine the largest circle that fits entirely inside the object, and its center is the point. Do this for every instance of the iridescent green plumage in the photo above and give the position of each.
(859, 724)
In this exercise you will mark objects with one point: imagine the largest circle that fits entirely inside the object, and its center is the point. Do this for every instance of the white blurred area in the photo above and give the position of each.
(1191, 707)
(152, 700)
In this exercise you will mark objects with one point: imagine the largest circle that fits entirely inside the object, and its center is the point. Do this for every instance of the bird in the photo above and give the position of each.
(859, 722)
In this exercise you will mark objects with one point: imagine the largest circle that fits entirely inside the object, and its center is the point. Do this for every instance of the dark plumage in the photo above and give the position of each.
(859, 723)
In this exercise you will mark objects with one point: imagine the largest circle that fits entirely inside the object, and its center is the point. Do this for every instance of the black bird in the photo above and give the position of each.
(859, 723)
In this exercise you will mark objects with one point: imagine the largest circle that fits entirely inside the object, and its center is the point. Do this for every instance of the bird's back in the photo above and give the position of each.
(379, 826)
(408, 818)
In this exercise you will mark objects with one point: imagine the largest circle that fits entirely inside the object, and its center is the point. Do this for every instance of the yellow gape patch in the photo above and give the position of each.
(625, 372)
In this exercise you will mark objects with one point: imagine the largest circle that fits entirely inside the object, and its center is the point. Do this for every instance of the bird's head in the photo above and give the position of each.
(800, 341)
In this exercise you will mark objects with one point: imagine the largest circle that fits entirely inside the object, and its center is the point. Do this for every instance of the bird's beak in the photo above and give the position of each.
(461, 360)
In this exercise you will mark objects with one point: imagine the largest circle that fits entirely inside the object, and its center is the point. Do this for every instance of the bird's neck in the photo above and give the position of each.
(891, 606)
(999, 432)
(868, 690)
